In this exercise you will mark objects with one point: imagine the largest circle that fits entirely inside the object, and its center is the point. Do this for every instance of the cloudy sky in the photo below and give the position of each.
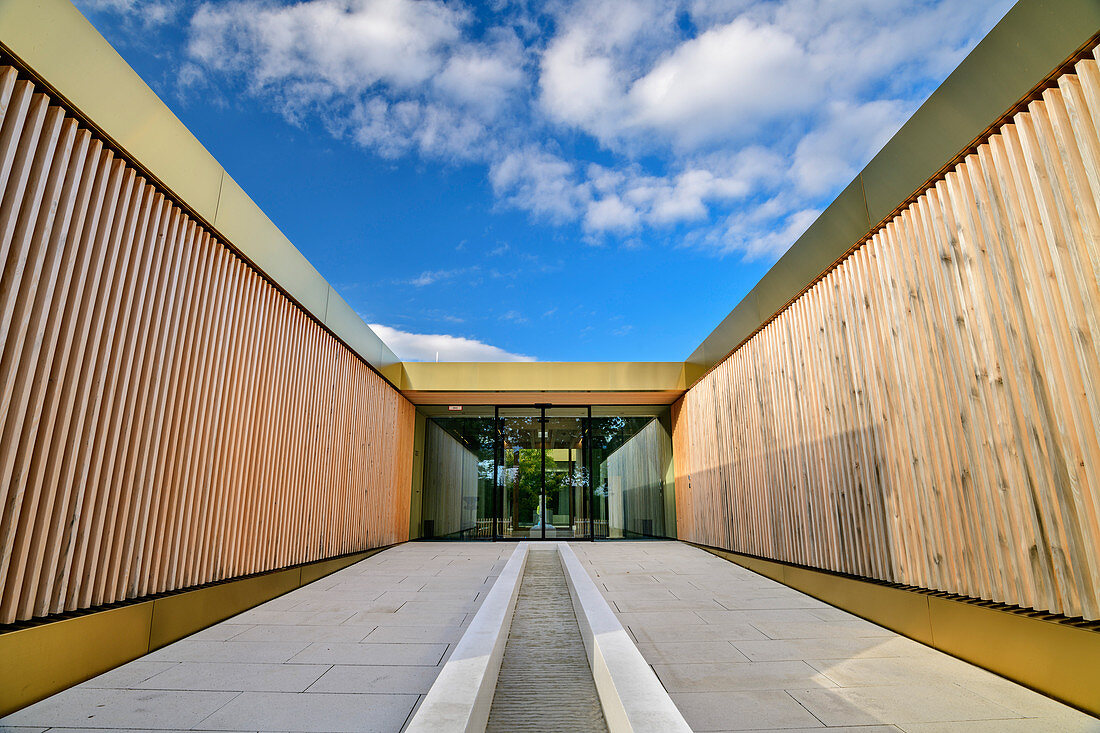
(556, 181)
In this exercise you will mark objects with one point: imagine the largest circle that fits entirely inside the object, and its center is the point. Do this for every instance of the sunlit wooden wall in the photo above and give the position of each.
(169, 418)
(929, 412)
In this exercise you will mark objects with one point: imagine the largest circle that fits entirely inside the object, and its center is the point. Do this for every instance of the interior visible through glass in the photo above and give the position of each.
(519, 473)
(543, 472)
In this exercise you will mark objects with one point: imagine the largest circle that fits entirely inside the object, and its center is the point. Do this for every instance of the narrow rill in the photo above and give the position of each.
(545, 682)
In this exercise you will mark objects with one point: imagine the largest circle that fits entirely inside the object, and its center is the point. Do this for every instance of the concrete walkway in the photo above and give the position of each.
(355, 651)
(737, 651)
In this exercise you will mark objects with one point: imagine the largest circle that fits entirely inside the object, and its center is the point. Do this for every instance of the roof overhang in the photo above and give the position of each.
(528, 383)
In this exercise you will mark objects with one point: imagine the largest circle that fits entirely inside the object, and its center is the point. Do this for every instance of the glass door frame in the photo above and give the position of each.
(499, 461)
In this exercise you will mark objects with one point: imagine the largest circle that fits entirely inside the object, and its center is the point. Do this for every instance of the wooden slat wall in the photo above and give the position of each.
(928, 412)
(169, 418)
(450, 482)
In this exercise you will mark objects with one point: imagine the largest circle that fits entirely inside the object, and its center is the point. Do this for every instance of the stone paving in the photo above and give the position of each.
(354, 651)
(737, 651)
(357, 651)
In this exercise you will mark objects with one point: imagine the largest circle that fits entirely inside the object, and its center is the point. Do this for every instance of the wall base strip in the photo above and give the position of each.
(46, 658)
(1057, 659)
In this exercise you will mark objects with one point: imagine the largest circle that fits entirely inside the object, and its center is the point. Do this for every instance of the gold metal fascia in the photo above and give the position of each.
(488, 381)
(1019, 56)
(41, 660)
(423, 399)
(59, 46)
(180, 615)
(1056, 659)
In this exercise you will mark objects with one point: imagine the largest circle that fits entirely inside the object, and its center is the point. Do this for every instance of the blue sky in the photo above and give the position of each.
(561, 181)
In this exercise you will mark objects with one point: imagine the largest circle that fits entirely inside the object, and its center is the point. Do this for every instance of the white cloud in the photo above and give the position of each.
(148, 13)
(430, 277)
(610, 213)
(767, 231)
(539, 182)
(482, 79)
(579, 88)
(513, 316)
(724, 121)
(621, 200)
(827, 156)
(686, 197)
(725, 84)
(442, 347)
(345, 45)
(395, 76)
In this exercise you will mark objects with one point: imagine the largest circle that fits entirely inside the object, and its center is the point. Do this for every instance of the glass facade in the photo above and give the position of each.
(545, 472)
(458, 462)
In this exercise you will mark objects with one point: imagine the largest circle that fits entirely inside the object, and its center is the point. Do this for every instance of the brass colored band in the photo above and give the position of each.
(1057, 659)
(1022, 53)
(53, 42)
(46, 658)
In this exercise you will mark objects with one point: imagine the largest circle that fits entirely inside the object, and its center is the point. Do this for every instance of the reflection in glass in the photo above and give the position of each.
(633, 493)
(565, 475)
(546, 472)
(458, 477)
(520, 473)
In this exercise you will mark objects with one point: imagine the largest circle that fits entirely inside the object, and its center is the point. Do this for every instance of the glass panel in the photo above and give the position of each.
(520, 472)
(566, 474)
(458, 475)
(529, 473)
(632, 460)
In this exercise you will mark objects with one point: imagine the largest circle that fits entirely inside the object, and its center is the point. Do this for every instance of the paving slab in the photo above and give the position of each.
(691, 651)
(306, 634)
(1022, 725)
(129, 676)
(87, 707)
(747, 710)
(313, 713)
(738, 651)
(722, 676)
(354, 651)
(259, 652)
(376, 678)
(373, 654)
(236, 677)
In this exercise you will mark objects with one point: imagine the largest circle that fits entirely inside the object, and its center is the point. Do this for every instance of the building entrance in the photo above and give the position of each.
(544, 472)
(543, 480)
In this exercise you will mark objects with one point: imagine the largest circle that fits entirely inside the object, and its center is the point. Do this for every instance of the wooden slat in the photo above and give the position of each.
(168, 417)
(927, 413)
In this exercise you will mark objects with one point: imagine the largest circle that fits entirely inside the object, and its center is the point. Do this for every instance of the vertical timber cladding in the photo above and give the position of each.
(169, 417)
(927, 413)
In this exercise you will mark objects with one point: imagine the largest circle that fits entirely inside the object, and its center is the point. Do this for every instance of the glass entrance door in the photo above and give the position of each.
(542, 475)
(519, 472)
(566, 475)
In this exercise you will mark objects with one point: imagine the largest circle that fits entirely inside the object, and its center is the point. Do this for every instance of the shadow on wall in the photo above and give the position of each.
(771, 505)
(836, 504)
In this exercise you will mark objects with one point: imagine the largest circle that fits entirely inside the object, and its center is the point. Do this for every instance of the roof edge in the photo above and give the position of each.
(1033, 41)
(57, 45)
